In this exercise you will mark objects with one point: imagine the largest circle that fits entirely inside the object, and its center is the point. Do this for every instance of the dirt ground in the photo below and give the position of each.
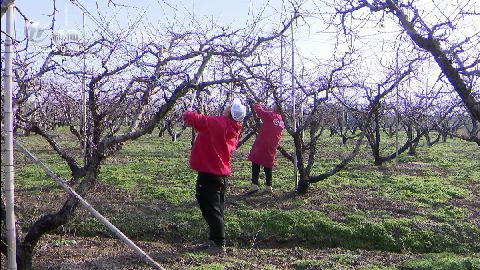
(70, 252)
(67, 252)
(82, 253)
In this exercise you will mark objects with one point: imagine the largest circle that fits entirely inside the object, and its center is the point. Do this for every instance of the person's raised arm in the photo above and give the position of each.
(195, 120)
(260, 111)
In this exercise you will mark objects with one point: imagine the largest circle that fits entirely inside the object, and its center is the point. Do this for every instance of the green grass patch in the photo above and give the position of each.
(434, 181)
(449, 212)
(442, 261)
(89, 227)
(211, 266)
(376, 267)
(311, 264)
(313, 228)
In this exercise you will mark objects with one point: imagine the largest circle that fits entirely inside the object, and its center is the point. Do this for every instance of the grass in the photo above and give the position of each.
(211, 266)
(436, 186)
(311, 264)
(442, 261)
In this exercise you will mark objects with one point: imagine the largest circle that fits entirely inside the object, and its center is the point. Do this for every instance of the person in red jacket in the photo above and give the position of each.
(265, 146)
(217, 138)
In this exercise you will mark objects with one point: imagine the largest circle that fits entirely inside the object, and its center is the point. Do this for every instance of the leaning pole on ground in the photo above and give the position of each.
(8, 147)
(144, 256)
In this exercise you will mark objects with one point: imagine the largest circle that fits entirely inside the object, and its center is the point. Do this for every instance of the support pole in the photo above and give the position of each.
(83, 120)
(281, 64)
(295, 169)
(397, 116)
(8, 154)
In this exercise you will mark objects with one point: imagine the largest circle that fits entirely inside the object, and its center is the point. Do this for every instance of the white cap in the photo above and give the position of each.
(237, 110)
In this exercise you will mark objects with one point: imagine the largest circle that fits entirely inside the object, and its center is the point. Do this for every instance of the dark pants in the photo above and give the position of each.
(210, 193)
(256, 172)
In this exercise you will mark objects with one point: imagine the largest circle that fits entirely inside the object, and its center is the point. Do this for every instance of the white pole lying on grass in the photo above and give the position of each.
(90, 209)
(8, 155)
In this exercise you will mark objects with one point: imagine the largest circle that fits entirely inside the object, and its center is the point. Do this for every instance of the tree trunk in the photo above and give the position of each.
(344, 139)
(303, 184)
(50, 222)
(413, 146)
(376, 139)
(25, 257)
(444, 136)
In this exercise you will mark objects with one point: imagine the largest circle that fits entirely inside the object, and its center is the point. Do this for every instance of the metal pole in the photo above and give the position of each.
(193, 11)
(281, 64)
(8, 154)
(295, 169)
(83, 128)
(301, 107)
(397, 114)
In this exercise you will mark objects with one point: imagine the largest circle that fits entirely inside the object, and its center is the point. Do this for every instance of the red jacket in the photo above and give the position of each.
(217, 138)
(265, 146)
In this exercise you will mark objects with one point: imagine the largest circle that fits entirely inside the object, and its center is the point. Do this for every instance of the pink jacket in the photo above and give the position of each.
(265, 146)
(217, 138)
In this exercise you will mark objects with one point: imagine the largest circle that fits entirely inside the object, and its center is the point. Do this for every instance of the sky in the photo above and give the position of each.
(104, 15)
(311, 38)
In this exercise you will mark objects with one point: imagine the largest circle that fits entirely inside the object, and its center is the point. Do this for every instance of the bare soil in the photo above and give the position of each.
(70, 252)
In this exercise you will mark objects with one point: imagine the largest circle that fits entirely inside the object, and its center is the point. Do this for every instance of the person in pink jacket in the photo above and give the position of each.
(265, 146)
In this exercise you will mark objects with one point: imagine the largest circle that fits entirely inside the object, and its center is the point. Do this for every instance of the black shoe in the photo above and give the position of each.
(201, 247)
(216, 250)
(269, 189)
(253, 189)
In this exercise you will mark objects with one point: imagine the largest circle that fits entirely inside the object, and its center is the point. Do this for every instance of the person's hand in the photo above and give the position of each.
(226, 110)
(184, 117)
(184, 114)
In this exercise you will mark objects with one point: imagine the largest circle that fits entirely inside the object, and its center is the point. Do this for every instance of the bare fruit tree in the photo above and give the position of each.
(437, 28)
(130, 90)
(263, 83)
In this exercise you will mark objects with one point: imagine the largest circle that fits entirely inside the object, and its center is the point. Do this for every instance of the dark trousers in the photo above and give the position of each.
(210, 193)
(256, 173)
